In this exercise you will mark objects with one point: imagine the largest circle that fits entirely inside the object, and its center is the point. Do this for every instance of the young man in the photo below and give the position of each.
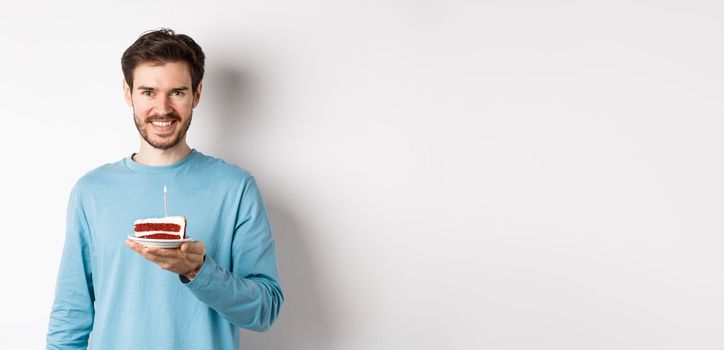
(198, 295)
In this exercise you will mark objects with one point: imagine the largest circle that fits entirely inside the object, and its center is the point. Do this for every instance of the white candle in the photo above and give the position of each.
(165, 201)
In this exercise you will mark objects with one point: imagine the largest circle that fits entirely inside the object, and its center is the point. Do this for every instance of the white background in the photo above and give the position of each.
(439, 174)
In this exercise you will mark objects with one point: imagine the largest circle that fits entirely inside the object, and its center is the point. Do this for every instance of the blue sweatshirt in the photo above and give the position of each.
(107, 291)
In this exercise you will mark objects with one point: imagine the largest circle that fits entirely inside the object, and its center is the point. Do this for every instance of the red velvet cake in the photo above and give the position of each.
(170, 227)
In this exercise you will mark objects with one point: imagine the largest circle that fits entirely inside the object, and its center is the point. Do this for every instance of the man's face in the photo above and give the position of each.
(162, 102)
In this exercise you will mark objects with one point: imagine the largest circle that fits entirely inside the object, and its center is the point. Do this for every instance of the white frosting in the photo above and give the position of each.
(178, 220)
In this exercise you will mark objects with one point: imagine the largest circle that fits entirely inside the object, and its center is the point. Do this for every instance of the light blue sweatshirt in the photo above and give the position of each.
(128, 302)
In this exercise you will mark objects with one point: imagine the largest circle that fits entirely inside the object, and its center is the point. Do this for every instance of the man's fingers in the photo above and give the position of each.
(162, 252)
(179, 260)
(172, 259)
(153, 253)
(135, 246)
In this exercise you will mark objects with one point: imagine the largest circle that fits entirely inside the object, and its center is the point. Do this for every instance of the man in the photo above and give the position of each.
(198, 295)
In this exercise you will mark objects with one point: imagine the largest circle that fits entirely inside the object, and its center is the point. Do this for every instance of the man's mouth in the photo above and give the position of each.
(162, 123)
(163, 127)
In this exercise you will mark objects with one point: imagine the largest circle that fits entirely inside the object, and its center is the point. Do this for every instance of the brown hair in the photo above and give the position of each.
(161, 46)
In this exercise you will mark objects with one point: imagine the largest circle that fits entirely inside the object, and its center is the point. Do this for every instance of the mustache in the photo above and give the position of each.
(171, 116)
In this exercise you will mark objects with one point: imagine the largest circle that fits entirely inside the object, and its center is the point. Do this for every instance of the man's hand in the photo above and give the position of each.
(185, 260)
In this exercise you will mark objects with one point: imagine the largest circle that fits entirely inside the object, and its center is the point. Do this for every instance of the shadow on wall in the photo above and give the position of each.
(303, 322)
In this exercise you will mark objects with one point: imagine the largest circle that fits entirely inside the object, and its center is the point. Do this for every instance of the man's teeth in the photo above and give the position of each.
(161, 123)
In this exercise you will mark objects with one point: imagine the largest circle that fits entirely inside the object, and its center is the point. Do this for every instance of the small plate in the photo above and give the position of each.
(160, 243)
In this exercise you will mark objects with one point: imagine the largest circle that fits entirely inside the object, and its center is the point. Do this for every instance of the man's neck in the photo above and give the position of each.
(148, 155)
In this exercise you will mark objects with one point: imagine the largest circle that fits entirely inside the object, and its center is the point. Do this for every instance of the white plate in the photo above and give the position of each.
(160, 243)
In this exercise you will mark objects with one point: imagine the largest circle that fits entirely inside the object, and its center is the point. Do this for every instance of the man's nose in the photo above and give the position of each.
(163, 105)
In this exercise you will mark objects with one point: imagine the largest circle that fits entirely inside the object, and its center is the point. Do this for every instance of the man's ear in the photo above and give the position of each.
(197, 94)
(127, 93)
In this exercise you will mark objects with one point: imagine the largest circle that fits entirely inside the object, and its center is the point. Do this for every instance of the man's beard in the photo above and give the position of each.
(143, 130)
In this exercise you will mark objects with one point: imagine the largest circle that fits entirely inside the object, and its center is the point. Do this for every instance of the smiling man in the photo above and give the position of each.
(165, 111)
(115, 293)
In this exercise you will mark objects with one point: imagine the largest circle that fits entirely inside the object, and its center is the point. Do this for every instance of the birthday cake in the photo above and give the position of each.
(169, 227)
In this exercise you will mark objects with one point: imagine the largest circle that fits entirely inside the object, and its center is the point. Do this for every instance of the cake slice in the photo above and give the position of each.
(170, 227)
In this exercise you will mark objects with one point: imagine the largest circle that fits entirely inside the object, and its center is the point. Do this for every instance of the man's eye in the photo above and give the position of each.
(177, 93)
(146, 93)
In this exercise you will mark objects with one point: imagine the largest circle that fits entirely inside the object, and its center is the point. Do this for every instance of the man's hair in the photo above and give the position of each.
(163, 46)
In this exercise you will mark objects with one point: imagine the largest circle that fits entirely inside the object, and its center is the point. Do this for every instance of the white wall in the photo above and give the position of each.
(439, 174)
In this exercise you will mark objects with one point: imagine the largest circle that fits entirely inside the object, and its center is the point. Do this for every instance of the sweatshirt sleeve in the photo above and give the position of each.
(248, 295)
(71, 317)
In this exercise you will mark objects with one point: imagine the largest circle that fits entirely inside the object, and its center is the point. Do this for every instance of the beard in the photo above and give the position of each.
(163, 145)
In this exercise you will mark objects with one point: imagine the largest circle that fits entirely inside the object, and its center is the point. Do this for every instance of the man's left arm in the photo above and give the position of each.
(249, 295)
